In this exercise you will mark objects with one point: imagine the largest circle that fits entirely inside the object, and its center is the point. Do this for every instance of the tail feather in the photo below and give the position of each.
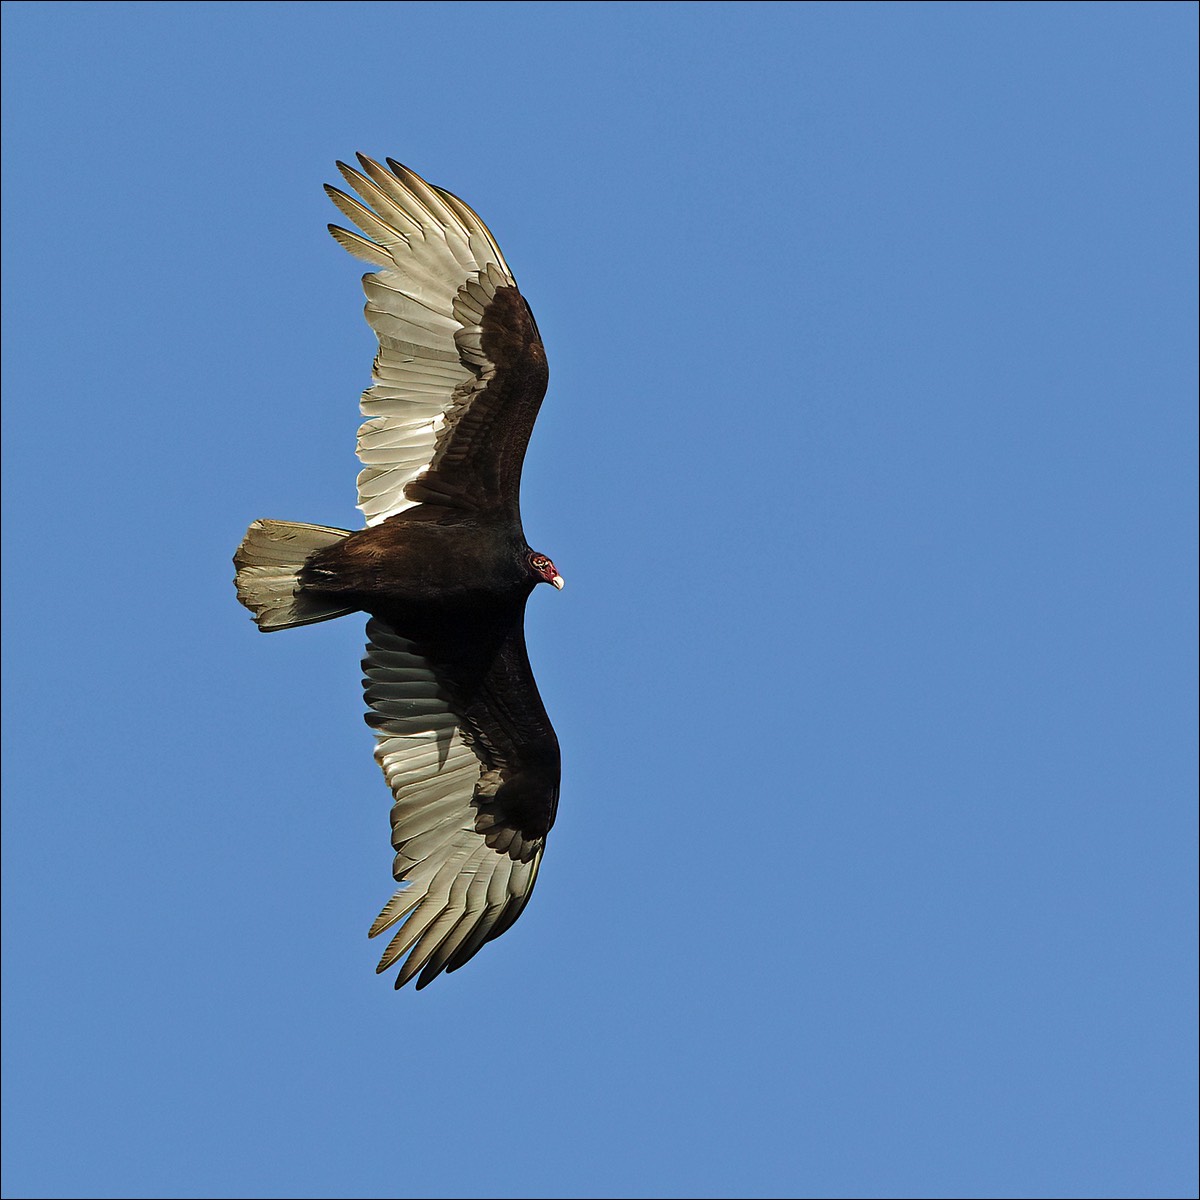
(268, 561)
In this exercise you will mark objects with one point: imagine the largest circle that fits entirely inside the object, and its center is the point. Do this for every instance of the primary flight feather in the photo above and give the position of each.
(442, 568)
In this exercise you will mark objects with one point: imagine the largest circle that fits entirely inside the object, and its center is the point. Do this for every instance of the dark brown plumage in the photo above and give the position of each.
(442, 568)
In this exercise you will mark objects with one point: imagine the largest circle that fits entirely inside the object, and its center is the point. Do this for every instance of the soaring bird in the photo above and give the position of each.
(442, 568)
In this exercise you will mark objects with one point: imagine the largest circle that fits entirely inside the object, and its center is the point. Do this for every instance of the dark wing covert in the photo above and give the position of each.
(473, 765)
(461, 371)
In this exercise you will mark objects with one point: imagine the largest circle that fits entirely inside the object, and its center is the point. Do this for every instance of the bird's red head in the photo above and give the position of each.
(543, 570)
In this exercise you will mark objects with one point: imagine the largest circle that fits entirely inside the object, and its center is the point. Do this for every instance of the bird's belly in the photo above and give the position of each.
(386, 568)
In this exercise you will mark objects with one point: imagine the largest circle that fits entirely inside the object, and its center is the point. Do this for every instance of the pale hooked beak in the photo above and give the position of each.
(558, 582)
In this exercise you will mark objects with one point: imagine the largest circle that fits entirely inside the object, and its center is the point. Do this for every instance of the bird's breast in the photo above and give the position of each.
(413, 562)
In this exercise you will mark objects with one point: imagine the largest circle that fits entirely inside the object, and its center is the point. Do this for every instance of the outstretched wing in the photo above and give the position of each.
(461, 370)
(473, 765)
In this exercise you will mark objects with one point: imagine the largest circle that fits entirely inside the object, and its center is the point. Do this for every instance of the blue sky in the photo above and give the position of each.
(869, 459)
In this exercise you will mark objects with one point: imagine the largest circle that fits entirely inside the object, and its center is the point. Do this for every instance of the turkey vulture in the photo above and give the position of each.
(442, 568)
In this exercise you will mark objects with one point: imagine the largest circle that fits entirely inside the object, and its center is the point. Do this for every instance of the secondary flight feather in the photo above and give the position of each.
(442, 568)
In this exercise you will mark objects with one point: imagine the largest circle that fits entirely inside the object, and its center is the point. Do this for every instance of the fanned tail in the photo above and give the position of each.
(268, 562)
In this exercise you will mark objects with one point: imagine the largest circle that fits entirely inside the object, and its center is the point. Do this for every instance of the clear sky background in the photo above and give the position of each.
(869, 459)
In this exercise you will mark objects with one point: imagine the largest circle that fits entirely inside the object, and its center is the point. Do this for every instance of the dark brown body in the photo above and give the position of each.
(424, 559)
